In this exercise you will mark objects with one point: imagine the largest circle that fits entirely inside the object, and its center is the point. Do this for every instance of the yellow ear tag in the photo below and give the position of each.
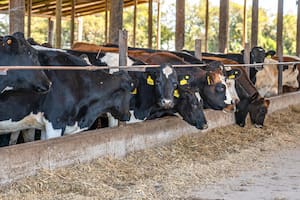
(9, 41)
(176, 93)
(183, 82)
(187, 77)
(269, 56)
(150, 80)
(208, 80)
(134, 91)
(231, 76)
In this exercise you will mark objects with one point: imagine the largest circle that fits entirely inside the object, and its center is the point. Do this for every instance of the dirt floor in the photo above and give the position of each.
(225, 163)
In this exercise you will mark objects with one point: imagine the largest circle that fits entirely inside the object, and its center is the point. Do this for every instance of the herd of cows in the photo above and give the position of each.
(62, 102)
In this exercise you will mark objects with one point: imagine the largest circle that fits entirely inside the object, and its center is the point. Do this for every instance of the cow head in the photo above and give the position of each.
(15, 51)
(216, 93)
(121, 97)
(165, 83)
(258, 110)
(189, 106)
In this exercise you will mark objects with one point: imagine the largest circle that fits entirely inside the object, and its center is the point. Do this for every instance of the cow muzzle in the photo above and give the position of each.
(166, 103)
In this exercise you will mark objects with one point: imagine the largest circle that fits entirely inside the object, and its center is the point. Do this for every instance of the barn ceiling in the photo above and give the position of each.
(47, 8)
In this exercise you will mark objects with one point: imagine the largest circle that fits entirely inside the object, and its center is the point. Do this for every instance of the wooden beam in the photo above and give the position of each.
(254, 23)
(50, 31)
(116, 21)
(72, 22)
(298, 31)
(180, 18)
(29, 8)
(206, 24)
(16, 16)
(245, 24)
(158, 29)
(223, 26)
(150, 23)
(106, 20)
(134, 23)
(58, 24)
(279, 43)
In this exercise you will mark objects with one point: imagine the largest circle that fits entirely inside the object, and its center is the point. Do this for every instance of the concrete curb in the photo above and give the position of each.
(26, 159)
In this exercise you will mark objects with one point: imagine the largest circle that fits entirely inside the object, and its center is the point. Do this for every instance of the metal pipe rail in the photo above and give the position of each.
(94, 68)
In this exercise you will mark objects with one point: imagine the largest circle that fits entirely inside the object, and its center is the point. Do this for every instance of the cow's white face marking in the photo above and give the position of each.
(198, 96)
(167, 71)
(228, 97)
(230, 83)
(30, 121)
(7, 88)
(112, 59)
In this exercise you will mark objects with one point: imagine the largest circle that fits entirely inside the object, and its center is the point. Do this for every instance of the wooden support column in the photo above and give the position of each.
(279, 43)
(298, 30)
(158, 29)
(206, 25)
(123, 48)
(198, 50)
(254, 23)
(180, 18)
(245, 24)
(16, 16)
(29, 8)
(80, 29)
(106, 21)
(134, 23)
(150, 23)
(247, 58)
(116, 20)
(58, 24)
(72, 22)
(223, 26)
(50, 31)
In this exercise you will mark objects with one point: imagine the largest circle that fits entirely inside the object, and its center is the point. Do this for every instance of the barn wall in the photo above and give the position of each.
(26, 159)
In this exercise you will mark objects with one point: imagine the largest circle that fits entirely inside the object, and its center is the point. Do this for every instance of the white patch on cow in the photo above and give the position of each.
(42, 48)
(230, 83)
(113, 122)
(228, 97)
(86, 59)
(69, 130)
(3, 72)
(30, 121)
(197, 94)
(7, 88)
(227, 68)
(49, 131)
(167, 71)
(112, 59)
(133, 119)
(289, 77)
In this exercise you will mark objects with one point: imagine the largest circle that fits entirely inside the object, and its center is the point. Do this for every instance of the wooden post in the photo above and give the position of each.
(245, 24)
(254, 23)
(247, 57)
(198, 50)
(116, 21)
(16, 16)
(158, 30)
(279, 49)
(72, 22)
(223, 26)
(58, 24)
(123, 49)
(29, 8)
(298, 30)
(106, 21)
(134, 23)
(80, 29)
(150, 23)
(180, 15)
(50, 31)
(206, 24)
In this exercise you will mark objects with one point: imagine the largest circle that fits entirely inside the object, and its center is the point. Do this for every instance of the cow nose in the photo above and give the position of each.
(167, 103)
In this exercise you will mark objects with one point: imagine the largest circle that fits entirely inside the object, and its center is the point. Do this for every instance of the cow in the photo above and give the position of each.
(73, 103)
(15, 51)
(267, 78)
(250, 100)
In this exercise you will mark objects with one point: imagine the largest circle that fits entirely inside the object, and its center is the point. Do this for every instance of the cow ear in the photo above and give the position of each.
(267, 102)
(233, 74)
(270, 53)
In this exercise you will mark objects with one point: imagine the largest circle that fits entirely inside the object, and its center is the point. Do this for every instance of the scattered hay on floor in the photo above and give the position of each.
(167, 171)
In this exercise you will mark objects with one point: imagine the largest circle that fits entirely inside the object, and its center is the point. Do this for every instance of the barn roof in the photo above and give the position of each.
(82, 7)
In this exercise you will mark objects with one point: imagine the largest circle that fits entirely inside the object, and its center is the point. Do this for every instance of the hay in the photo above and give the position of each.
(165, 172)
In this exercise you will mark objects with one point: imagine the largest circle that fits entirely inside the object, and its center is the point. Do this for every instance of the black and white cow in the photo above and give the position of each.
(73, 103)
(15, 51)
